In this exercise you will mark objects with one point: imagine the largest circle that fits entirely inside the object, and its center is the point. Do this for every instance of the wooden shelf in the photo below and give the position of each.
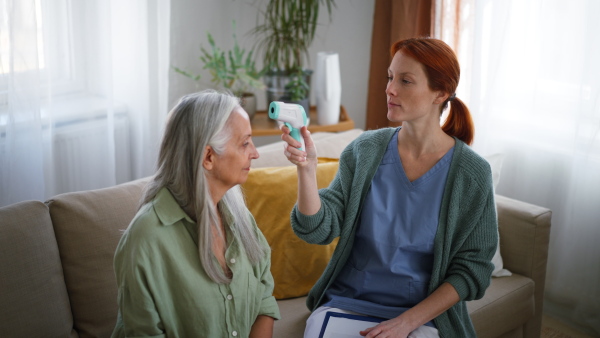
(262, 125)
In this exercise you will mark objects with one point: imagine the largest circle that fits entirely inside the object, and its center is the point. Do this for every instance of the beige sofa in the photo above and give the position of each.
(56, 276)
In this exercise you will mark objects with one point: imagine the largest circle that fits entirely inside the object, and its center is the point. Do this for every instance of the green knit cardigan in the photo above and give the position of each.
(465, 240)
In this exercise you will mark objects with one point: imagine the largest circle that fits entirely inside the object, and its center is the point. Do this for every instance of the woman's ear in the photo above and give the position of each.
(441, 97)
(208, 158)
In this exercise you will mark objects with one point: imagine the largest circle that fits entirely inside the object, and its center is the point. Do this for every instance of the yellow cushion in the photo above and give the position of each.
(270, 195)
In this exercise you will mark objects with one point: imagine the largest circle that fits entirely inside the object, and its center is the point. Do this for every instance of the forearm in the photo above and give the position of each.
(262, 327)
(309, 201)
(443, 298)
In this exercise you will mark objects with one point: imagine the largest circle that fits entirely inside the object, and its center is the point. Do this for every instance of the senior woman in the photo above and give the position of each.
(413, 208)
(192, 262)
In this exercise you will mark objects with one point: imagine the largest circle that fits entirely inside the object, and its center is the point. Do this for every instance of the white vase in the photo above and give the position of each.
(328, 88)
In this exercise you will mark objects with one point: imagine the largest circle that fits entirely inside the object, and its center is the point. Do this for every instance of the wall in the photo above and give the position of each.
(349, 34)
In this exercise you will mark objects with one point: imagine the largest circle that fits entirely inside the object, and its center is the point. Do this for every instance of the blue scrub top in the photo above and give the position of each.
(390, 265)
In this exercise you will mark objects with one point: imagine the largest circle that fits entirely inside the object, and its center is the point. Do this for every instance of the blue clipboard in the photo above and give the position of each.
(331, 316)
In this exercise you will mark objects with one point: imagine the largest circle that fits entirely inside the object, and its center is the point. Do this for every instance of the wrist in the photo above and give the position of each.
(309, 167)
(410, 321)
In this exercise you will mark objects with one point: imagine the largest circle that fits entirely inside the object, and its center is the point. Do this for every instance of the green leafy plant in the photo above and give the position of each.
(288, 31)
(233, 70)
(284, 36)
(297, 88)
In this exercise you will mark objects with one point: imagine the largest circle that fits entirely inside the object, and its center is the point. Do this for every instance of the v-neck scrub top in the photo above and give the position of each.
(390, 264)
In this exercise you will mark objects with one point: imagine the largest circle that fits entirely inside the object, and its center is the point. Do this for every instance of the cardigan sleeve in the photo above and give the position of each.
(474, 244)
(341, 201)
(324, 226)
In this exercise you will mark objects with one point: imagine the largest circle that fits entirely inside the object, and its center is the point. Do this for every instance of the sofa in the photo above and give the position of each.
(56, 267)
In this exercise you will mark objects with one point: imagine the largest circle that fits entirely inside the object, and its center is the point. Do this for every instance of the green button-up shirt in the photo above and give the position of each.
(164, 291)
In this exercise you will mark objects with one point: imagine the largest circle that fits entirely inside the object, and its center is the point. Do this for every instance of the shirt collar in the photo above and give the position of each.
(167, 209)
(169, 212)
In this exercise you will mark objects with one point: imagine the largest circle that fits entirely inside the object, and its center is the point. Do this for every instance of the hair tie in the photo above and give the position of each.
(452, 97)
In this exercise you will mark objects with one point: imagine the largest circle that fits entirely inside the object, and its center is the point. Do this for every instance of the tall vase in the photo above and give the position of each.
(328, 88)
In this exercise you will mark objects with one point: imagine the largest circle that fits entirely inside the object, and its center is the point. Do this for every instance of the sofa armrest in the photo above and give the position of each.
(524, 239)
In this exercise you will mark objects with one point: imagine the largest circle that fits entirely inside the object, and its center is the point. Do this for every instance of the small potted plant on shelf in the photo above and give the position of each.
(284, 38)
(233, 70)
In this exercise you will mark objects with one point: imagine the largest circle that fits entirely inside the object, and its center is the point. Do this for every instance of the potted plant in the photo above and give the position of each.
(284, 38)
(233, 70)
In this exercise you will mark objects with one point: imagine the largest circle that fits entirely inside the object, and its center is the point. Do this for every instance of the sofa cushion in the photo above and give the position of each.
(294, 314)
(33, 295)
(88, 227)
(270, 195)
(508, 303)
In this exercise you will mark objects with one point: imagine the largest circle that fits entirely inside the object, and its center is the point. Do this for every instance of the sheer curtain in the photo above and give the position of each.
(83, 93)
(531, 78)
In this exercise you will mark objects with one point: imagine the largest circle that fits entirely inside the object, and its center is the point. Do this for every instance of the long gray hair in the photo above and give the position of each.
(199, 120)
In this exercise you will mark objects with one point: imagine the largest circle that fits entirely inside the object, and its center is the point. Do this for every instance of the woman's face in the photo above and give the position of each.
(409, 97)
(233, 165)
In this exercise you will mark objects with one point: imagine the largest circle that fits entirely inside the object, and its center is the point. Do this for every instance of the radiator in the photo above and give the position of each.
(82, 158)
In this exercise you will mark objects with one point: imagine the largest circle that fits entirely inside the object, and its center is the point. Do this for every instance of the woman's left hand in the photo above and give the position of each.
(395, 327)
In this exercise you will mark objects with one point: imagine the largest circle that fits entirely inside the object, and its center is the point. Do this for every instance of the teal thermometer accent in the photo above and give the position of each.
(292, 115)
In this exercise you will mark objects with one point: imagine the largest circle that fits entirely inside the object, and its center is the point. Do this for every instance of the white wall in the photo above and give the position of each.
(349, 34)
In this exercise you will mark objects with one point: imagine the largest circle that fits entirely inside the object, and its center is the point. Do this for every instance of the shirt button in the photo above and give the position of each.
(232, 260)
(230, 297)
(234, 333)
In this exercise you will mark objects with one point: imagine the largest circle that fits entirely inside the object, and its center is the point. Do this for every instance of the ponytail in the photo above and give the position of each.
(459, 122)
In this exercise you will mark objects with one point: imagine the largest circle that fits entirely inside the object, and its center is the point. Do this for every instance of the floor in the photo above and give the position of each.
(554, 328)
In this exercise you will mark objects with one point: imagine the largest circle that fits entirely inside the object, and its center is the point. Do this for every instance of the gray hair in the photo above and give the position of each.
(199, 120)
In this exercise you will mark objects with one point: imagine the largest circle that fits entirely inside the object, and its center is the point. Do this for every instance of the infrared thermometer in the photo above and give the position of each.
(292, 115)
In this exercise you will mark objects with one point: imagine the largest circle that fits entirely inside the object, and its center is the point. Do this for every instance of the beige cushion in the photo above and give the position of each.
(33, 297)
(507, 303)
(88, 227)
(294, 314)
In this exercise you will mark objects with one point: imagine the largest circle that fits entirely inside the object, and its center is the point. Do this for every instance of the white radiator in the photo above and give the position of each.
(73, 151)
(82, 157)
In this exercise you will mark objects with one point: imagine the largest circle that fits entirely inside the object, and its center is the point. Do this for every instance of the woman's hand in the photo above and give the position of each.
(395, 327)
(309, 201)
(440, 300)
(298, 157)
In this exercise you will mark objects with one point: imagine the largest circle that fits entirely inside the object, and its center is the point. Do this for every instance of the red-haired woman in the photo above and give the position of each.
(413, 208)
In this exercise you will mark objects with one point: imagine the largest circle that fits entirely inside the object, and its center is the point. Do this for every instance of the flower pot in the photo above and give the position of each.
(276, 82)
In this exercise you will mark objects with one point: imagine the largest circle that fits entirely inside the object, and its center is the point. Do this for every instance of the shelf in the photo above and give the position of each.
(262, 125)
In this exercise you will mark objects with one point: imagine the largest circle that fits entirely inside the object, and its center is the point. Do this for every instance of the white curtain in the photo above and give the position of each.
(531, 76)
(83, 93)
